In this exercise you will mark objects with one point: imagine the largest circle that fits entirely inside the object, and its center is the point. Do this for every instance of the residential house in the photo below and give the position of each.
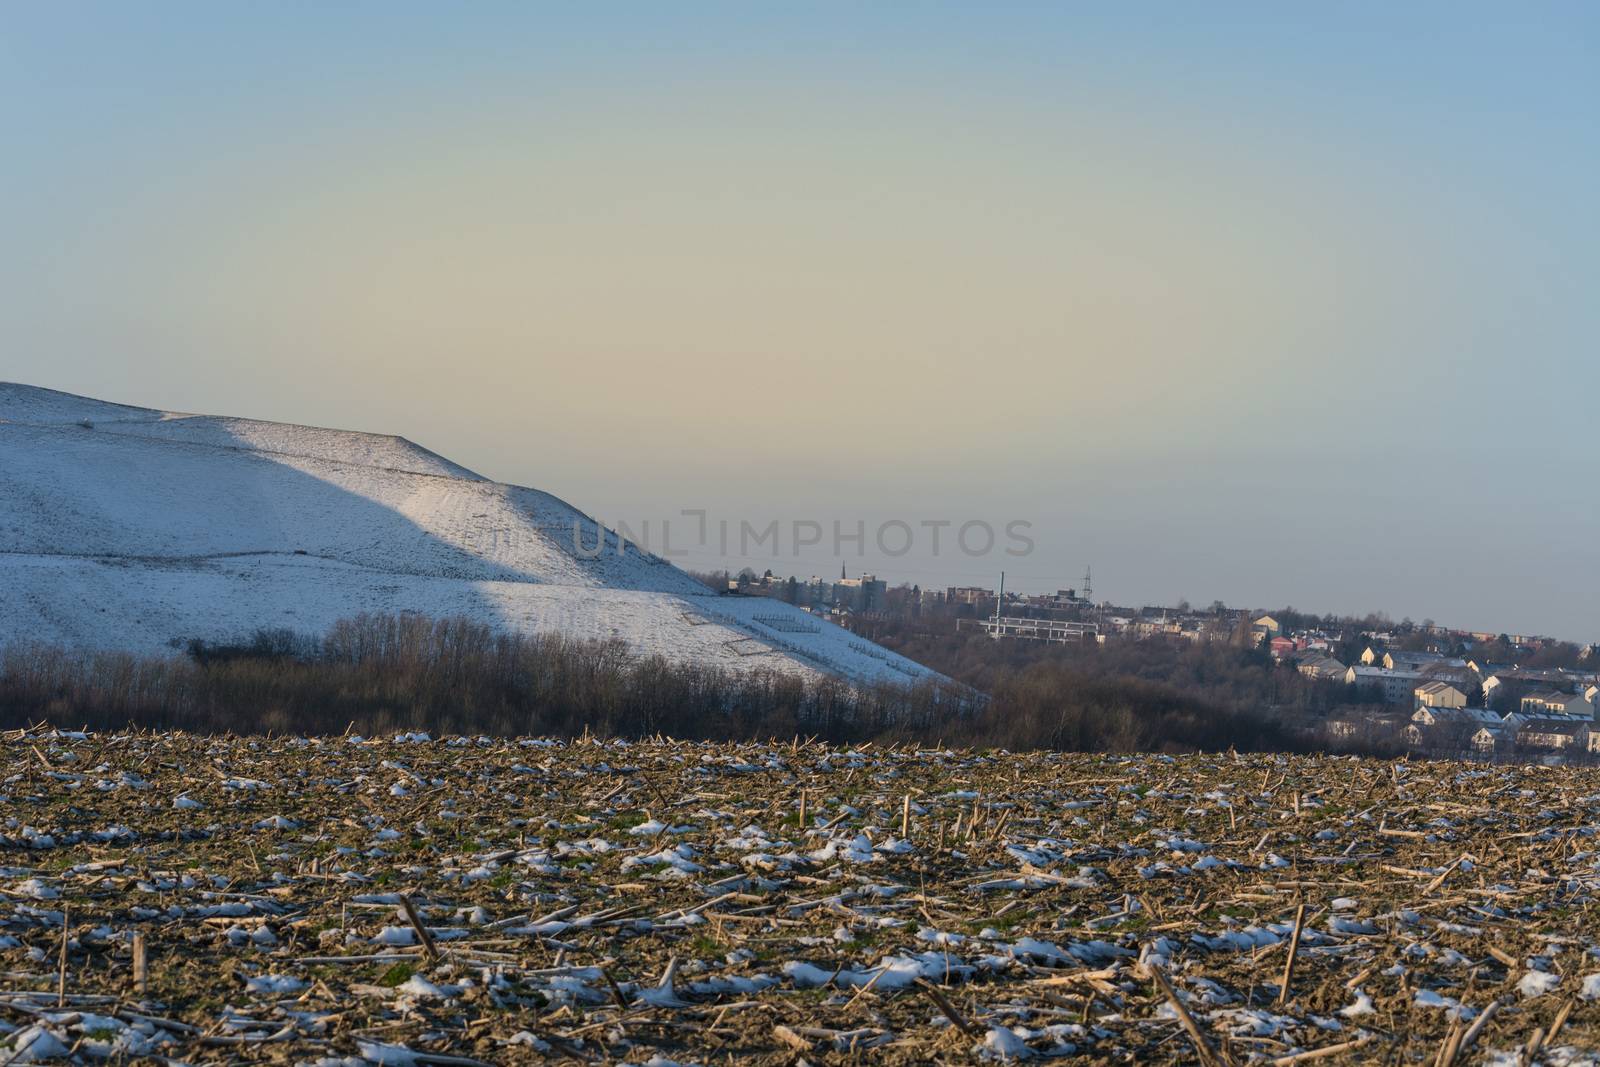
(1455, 672)
(1449, 727)
(1454, 715)
(1397, 686)
(1416, 661)
(1321, 667)
(1506, 689)
(1316, 640)
(1439, 695)
(1551, 702)
(1160, 622)
(1491, 739)
(1563, 733)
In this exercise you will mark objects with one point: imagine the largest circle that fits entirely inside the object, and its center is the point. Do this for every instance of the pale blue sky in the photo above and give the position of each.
(1249, 301)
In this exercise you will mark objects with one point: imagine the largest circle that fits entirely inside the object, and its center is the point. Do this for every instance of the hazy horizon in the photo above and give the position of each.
(1284, 306)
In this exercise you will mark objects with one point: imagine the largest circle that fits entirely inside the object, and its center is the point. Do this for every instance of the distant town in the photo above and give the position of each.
(1421, 687)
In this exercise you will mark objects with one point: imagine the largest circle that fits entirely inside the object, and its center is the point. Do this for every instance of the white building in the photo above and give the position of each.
(1550, 702)
(1396, 686)
(1455, 716)
(1439, 695)
(1555, 733)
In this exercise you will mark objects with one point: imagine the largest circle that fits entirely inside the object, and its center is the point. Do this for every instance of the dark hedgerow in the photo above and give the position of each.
(376, 673)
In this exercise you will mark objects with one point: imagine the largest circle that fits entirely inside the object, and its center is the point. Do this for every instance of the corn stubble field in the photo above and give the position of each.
(176, 898)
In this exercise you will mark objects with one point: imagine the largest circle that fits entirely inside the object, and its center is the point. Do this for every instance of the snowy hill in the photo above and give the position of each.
(128, 528)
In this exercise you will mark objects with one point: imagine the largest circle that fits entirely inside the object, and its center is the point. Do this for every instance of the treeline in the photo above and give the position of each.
(1217, 674)
(1146, 695)
(379, 673)
(1051, 705)
(376, 674)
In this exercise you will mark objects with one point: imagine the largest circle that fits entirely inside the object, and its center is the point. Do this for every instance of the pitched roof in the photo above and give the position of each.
(1418, 657)
(1563, 727)
(1476, 716)
(1551, 696)
(1376, 673)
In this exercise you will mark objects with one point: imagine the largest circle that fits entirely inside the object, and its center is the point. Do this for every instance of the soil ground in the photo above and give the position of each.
(410, 900)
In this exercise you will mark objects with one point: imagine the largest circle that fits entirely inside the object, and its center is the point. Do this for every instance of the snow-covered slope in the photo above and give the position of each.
(129, 528)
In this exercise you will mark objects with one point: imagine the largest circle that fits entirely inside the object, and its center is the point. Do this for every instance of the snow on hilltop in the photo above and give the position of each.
(128, 528)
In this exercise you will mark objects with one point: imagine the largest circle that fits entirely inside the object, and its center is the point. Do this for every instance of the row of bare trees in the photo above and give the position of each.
(377, 673)
(381, 672)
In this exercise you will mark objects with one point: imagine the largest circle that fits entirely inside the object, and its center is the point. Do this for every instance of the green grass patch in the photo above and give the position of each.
(396, 975)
